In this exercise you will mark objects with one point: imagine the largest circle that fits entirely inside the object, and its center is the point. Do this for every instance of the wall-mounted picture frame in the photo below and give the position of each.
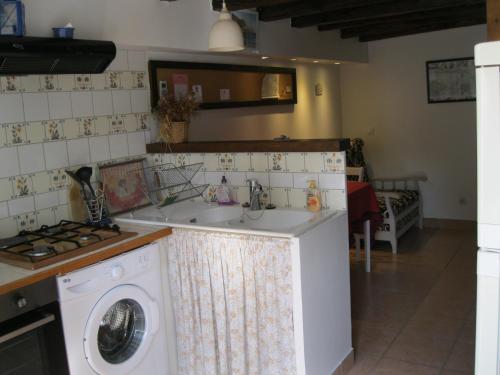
(248, 21)
(452, 80)
(124, 186)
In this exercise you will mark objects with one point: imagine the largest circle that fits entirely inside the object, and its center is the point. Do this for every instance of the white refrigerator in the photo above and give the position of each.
(487, 60)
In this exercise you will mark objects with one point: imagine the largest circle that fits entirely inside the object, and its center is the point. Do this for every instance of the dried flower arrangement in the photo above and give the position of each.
(174, 114)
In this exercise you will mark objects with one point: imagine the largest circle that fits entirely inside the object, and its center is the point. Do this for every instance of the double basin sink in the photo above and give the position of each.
(196, 214)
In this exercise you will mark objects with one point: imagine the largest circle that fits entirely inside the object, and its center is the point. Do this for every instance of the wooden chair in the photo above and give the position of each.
(355, 173)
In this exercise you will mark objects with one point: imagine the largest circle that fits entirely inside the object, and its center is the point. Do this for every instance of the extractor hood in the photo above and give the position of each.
(32, 55)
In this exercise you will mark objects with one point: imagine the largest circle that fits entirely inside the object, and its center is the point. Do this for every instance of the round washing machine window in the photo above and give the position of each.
(120, 330)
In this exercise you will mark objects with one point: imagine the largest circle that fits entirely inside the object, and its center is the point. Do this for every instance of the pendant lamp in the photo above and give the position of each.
(226, 34)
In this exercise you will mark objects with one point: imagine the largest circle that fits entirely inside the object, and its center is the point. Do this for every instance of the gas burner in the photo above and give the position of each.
(85, 238)
(41, 251)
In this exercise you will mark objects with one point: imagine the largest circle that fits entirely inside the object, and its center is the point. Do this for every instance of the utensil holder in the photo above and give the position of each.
(96, 208)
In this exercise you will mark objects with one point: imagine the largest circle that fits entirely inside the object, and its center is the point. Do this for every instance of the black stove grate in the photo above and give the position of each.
(65, 231)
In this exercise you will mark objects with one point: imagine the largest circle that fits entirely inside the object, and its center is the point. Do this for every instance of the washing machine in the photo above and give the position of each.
(112, 315)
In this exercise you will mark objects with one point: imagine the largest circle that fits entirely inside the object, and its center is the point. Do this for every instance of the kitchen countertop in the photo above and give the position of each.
(12, 277)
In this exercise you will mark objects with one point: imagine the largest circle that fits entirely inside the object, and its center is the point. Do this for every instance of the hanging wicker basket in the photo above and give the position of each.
(174, 132)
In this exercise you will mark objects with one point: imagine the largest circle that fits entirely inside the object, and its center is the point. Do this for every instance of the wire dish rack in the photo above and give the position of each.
(167, 183)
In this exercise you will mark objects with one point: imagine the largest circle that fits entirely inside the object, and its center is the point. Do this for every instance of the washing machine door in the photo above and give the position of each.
(120, 329)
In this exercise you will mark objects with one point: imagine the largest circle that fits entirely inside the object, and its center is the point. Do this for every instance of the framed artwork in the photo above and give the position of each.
(451, 80)
(248, 21)
(124, 186)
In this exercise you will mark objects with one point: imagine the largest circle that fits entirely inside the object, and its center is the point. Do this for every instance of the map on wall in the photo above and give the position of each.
(451, 80)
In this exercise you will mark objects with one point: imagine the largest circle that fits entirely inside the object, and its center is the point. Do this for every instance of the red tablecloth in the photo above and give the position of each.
(361, 206)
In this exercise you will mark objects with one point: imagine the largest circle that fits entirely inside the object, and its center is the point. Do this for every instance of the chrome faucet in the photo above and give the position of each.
(255, 193)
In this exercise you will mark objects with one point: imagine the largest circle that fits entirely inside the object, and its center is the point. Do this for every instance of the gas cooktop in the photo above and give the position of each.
(52, 244)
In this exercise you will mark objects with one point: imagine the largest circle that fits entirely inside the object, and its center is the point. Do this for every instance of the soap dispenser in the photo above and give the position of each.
(223, 194)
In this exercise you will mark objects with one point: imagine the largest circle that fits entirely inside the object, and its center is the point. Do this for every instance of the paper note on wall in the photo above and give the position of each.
(198, 93)
(225, 94)
(180, 85)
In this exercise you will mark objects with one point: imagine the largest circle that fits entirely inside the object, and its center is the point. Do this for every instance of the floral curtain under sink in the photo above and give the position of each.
(233, 303)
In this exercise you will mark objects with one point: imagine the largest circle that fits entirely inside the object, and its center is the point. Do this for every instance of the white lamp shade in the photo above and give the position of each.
(226, 34)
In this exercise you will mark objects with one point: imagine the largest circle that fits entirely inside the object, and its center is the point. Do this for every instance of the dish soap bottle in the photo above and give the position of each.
(222, 193)
(313, 196)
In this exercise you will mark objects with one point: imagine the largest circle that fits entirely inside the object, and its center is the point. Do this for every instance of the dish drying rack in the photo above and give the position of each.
(167, 184)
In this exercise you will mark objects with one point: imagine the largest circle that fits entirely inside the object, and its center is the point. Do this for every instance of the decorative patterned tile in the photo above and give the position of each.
(23, 186)
(116, 125)
(16, 134)
(143, 120)
(58, 179)
(138, 80)
(53, 130)
(334, 162)
(86, 127)
(83, 82)
(277, 162)
(3, 135)
(10, 84)
(26, 222)
(112, 80)
(226, 162)
(51, 83)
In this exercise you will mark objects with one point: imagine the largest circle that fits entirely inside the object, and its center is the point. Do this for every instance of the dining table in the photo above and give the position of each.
(364, 215)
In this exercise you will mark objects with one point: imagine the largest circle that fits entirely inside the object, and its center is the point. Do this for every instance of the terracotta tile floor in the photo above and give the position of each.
(414, 314)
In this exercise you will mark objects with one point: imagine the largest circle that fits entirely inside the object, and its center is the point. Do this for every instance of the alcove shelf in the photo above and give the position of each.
(295, 145)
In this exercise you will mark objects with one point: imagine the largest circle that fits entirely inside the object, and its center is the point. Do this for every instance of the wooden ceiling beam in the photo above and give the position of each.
(247, 4)
(393, 8)
(307, 7)
(422, 17)
(403, 30)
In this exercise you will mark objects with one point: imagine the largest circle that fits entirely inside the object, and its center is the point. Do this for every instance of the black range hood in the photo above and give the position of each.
(33, 55)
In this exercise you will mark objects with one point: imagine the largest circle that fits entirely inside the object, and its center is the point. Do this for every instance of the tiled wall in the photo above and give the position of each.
(51, 123)
(283, 175)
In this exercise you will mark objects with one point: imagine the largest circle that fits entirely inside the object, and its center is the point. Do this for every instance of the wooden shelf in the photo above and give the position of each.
(296, 145)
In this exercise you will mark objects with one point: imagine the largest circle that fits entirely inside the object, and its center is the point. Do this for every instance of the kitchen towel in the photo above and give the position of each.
(233, 303)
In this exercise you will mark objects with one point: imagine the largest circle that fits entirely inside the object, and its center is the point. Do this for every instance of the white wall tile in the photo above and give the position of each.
(36, 106)
(120, 62)
(137, 60)
(9, 162)
(47, 200)
(294, 162)
(136, 144)
(99, 149)
(279, 197)
(103, 103)
(21, 206)
(8, 227)
(78, 151)
(236, 178)
(282, 180)
(314, 162)
(259, 162)
(262, 177)
(56, 155)
(121, 102)
(60, 105)
(332, 181)
(4, 210)
(31, 158)
(11, 108)
(81, 102)
(139, 99)
(118, 145)
(300, 179)
(213, 178)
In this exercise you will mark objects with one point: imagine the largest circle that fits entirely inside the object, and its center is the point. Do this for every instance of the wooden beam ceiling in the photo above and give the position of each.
(371, 19)
(248, 4)
(390, 9)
